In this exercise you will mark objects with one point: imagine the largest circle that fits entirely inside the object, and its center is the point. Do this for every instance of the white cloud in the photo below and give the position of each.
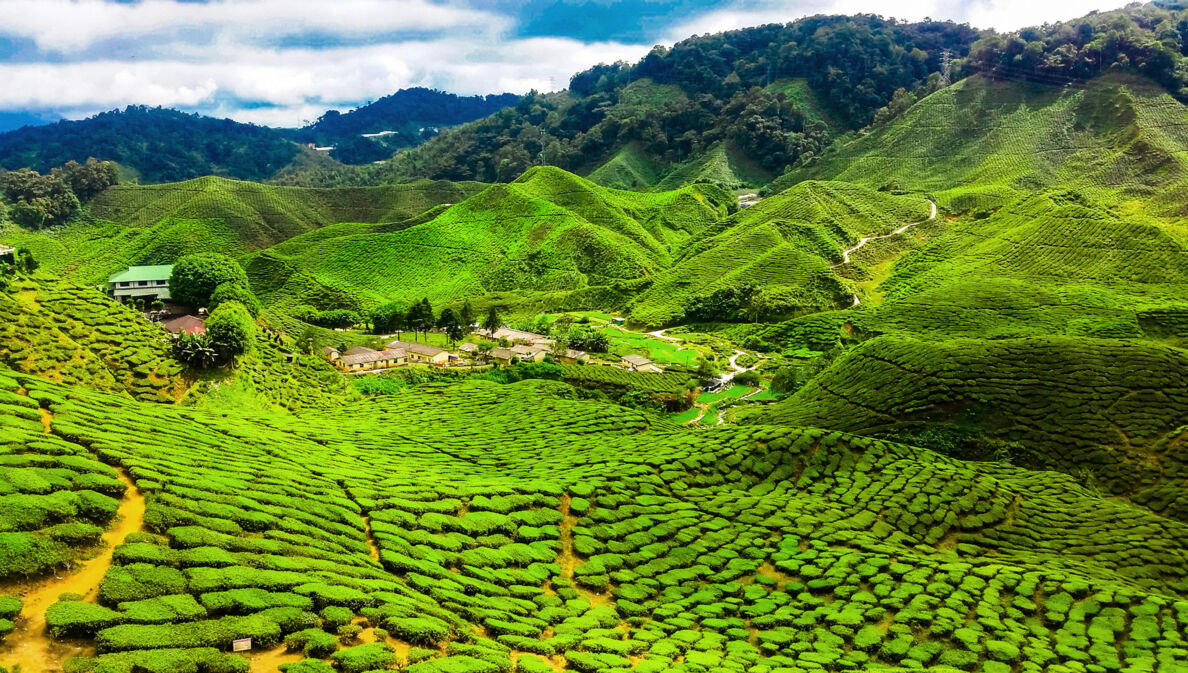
(1003, 15)
(297, 84)
(68, 25)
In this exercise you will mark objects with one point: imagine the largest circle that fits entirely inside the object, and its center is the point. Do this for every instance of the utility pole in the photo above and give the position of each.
(946, 68)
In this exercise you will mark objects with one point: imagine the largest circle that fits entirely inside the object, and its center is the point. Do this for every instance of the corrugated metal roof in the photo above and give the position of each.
(139, 273)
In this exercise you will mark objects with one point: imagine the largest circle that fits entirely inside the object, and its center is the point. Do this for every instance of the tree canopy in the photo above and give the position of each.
(196, 277)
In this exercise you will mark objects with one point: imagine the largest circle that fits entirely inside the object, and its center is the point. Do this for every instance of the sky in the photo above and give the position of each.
(285, 62)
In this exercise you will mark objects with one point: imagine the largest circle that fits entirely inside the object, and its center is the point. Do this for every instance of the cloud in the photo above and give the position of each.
(286, 86)
(70, 25)
(1003, 15)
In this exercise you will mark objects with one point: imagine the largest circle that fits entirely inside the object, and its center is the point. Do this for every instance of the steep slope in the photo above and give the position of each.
(158, 223)
(982, 143)
(549, 231)
(787, 244)
(629, 168)
(723, 164)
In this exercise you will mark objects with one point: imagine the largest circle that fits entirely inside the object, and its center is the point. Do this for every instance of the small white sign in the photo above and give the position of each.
(241, 645)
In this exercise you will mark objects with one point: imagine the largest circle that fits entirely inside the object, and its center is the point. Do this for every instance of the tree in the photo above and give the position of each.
(492, 323)
(389, 318)
(231, 329)
(48, 195)
(484, 350)
(26, 263)
(420, 316)
(235, 292)
(468, 317)
(87, 180)
(196, 350)
(27, 216)
(451, 323)
(196, 277)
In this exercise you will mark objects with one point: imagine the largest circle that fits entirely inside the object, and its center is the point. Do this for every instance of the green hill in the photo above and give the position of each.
(629, 168)
(139, 224)
(549, 231)
(724, 164)
(786, 244)
(982, 143)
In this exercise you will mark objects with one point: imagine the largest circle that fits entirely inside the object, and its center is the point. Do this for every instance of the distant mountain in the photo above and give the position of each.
(404, 119)
(159, 144)
(10, 121)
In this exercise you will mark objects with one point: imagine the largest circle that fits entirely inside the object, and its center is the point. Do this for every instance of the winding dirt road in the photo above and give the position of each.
(862, 242)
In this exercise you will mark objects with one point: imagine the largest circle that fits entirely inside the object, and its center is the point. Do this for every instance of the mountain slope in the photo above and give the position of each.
(549, 231)
(786, 244)
(159, 145)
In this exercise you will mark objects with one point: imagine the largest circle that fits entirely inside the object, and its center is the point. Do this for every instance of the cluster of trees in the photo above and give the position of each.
(420, 318)
(209, 280)
(1150, 38)
(162, 145)
(50, 199)
(230, 332)
(861, 61)
(23, 262)
(339, 318)
(738, 303)
(416, 115)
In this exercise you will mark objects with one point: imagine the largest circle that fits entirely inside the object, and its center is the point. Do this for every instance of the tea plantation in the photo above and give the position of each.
(479, 527)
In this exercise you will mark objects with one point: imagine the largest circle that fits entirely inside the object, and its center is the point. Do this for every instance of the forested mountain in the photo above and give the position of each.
(403, 119)
(678, 103)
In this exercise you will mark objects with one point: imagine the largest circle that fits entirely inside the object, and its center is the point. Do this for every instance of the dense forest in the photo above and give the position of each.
(159, 144)
(406, 118)
(705, 89)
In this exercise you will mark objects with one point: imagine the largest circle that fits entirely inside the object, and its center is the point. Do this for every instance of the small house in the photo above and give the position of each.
(503, 355)
(141, 282)
(572, 356)
(330, 354)
(529, 353)
(469, 348)
(520, 336)
(638, 363)
(423, 353)
(186, 324)
(361, 359)
(7, 254)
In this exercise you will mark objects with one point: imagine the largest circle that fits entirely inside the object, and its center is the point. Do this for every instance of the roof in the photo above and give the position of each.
(6, 250)
(419, 349)
(327, 350)
(468, 347)
(357, 350)
(138, 273)
(574, 355)
(518, 335)
(373, 356)
(525, 350)
(502, 353)
(190, 324)
(637, 360)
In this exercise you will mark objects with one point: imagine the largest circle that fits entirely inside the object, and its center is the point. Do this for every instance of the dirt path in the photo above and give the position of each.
(862, 242)
(30, 647)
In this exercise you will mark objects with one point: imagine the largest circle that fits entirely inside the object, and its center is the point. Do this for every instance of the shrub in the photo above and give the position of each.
(313, 642)
(226, 292)
(231, 329)
(371, 656)
(196, 277)
(77, 618)
(418, 630)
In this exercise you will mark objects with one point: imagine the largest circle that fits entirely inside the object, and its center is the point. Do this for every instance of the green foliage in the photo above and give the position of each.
(38, 199)
(196, 277)
(230, 291)
(231, 330)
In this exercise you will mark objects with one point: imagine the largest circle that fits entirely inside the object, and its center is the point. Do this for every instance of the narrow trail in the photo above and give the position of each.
(30, 646)
(568, 558)
(862, 242)
(372, 547)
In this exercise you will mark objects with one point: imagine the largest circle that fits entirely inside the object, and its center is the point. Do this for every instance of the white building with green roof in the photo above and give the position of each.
(149, 282)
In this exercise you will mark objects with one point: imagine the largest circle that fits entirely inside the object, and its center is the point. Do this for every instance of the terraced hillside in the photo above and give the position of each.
(549, 231)
(159, 223)
(982, 143)
(594, 540)
(787, 243)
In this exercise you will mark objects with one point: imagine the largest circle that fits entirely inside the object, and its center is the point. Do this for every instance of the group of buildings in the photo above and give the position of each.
(521, 347)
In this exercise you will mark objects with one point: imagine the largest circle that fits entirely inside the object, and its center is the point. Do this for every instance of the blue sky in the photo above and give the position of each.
(282, 62)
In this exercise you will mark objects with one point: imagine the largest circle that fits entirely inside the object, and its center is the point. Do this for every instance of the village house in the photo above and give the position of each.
(572, 357)
(360, 359)
(638, 363)
(330, 354)
(529, 353)
(186, 324)
(520, 336)
(7, 254)
(423, 353)
(503, 355)
(141, 282)
(470, 348)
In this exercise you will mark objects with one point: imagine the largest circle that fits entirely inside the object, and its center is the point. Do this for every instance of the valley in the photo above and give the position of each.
(778, 351)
